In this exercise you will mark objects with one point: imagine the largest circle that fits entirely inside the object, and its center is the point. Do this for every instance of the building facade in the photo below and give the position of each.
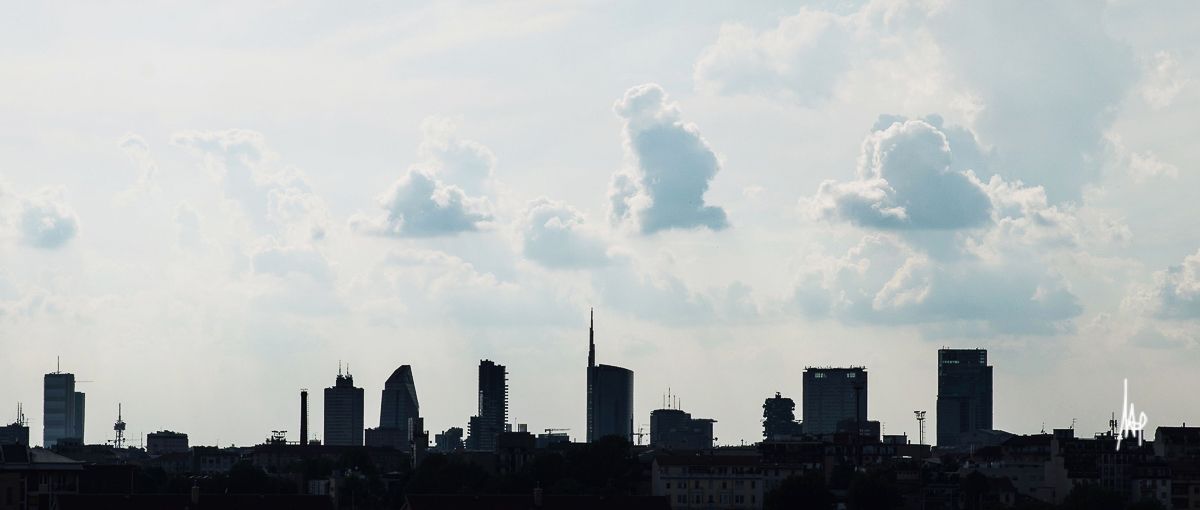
(493, 407)
(708, 481)
(964, 400)
(675, 429)
(834, 397)
(344, 413)
(166, 441)
(63, 409)
(609, 397)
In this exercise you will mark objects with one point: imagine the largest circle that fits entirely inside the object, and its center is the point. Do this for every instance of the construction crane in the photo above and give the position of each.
(641, 434)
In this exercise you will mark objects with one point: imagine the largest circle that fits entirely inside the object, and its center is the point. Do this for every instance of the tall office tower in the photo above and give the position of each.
(609, 396)
(835, 399)
(493, 407)
(344, 412)
(964, 401)
(63, 409)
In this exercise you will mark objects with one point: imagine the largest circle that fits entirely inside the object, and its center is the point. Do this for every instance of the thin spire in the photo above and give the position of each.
(592, 338)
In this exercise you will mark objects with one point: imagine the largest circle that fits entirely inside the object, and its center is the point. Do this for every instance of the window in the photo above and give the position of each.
(668, 485)
(752, 484)
(739, 499)
(724, 484)
(682, 499)
(851, 375)
(819, 375)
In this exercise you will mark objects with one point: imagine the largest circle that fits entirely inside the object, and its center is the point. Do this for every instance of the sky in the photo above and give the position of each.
(206, 207)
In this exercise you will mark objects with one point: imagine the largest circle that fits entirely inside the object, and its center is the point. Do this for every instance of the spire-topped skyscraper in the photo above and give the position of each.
(592, 338)
(609, 395)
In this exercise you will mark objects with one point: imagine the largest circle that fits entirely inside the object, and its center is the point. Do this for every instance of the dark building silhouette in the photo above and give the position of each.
(303, 416)
(779, 418)
(17, 432)
(344, 412)
(833, 395)
(397, 407)
(63, 409)
(964, 401)
(449, 441)
(673, 428)
(493, 407)
(166, 442)
(609, 396)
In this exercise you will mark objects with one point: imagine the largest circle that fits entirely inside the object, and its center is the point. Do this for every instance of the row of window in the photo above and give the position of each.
(697, 499)
(737, 484)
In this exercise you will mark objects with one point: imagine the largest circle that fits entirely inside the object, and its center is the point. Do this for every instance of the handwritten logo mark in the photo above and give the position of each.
(1130, 422)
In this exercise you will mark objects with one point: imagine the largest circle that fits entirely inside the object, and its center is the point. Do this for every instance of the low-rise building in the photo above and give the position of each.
(709, 481)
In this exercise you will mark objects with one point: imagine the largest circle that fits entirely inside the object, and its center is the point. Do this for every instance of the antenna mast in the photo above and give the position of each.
(920, 426)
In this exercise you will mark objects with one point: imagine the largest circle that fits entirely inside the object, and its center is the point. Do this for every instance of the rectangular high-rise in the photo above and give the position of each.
(964, 401)
(484, 428)
(344, 413)
(835, 399)
(62, 409)
(609, 396)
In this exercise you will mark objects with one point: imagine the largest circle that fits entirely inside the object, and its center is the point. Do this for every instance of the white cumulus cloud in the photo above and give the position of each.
(671, 167)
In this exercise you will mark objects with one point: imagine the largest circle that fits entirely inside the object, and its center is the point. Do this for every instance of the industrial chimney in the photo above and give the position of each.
(303, 417)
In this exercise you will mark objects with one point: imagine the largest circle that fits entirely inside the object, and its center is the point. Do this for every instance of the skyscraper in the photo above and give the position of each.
(493, 407)
(964, 401)
(399, 402)
(63, 409)
(397, 407)
(344, 412)
(609, 396)
(833, 398)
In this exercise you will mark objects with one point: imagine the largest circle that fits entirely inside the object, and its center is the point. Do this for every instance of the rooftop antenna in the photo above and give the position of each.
(58, 364)
(119, 429)
(920, 426)
(339, 368)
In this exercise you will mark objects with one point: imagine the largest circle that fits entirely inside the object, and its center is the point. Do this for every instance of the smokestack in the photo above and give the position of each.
(303, 417)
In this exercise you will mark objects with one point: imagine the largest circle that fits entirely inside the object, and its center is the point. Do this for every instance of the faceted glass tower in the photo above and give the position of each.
(399, 402)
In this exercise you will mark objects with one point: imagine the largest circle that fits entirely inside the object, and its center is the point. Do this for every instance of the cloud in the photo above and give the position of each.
(420, 205)
(883, 280)
(284, 261)
(554, 235)
(272, 197)
(802, 58)
(1163, 80)
(45, 221)
(1048, 130)
(138, 151)
(948, 251)
(187, 225)
(1175, 293)
(466, 163)
(672, 166)
(906, 180)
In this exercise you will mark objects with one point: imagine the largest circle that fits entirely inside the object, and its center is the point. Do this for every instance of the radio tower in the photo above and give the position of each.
(920, 425)
(119, 429)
